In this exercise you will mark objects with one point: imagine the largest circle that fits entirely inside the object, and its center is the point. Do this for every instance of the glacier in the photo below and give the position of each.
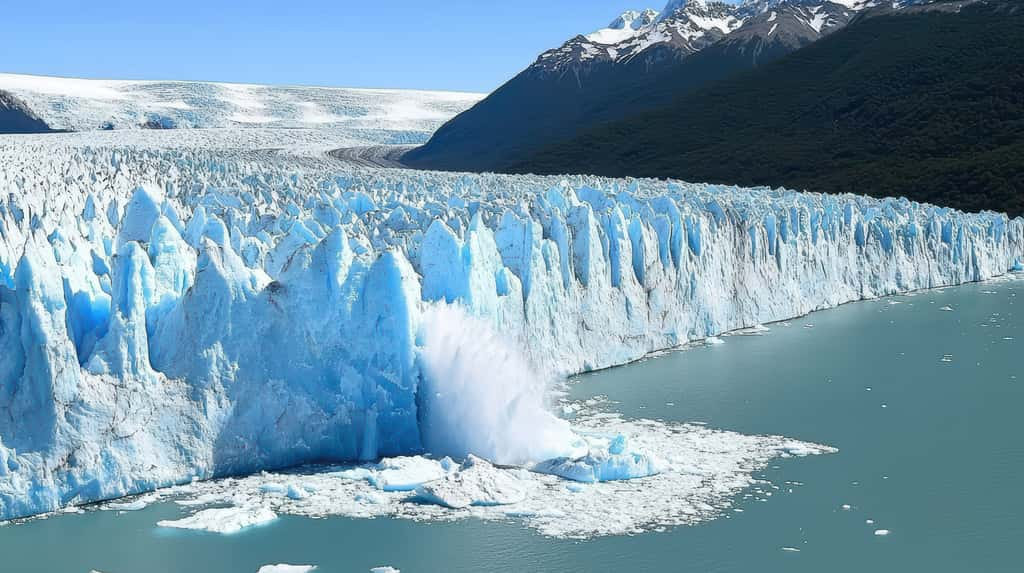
(171, 312)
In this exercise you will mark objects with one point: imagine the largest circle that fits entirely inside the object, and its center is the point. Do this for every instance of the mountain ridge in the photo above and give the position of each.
(584, 83)
(927, 104)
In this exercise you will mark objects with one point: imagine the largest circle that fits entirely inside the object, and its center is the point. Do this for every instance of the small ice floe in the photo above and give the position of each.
(947, 358)
(608, 460)
(273, 488)
(205, 499)
(283, 568)
(756, 330)
(946, 308)
(791, 550)
(881, 532)
(131, 504)
(808, 325)
(384, 569)
(224, 520)
(713, 341)
(476, 482)
(869, 521)
(846, 507)
(126, 506)
(799, 449)
(409, 473)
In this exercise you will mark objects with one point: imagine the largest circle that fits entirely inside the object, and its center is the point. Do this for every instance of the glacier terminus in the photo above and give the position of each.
(172, 313)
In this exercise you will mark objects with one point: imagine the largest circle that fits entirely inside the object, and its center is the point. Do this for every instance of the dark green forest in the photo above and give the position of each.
(927, 105)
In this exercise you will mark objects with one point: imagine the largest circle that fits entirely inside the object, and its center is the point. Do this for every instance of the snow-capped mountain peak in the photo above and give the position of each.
(684, 27)
(626, 26)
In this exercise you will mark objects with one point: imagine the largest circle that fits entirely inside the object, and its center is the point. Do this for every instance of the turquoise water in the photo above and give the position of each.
(938, 465)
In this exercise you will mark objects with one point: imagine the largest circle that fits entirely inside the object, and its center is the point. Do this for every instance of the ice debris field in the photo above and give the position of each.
(171, 314)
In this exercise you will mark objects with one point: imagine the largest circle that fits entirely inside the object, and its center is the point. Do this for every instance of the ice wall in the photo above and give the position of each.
(170, 314)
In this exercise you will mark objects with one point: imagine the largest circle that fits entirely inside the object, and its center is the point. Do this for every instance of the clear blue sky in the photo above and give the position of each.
(445, 44)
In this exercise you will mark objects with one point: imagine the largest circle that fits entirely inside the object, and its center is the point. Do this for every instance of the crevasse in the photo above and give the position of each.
(175, 314)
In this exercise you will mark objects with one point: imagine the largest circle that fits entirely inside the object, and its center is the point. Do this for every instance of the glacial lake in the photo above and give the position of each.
(924, 405)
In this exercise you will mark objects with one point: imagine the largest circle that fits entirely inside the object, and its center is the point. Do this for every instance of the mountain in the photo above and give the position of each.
(395, 116)
(16, 117)
(926, 103)
(641, 61)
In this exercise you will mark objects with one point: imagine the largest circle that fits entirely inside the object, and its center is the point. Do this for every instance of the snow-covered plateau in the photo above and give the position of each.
(369, 115)
(174, 312)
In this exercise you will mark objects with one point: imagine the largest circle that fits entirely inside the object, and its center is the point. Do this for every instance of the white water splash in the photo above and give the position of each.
(481, 396)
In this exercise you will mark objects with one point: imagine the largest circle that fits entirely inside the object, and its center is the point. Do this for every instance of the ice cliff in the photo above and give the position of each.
(170, 314)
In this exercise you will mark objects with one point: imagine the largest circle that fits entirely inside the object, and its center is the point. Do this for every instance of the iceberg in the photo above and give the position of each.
(171, 313)
(476, 482)
(224, 520)
(285, 568)
(606, 460)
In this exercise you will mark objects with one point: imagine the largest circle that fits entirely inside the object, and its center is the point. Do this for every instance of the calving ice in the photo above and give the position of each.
(171, 314)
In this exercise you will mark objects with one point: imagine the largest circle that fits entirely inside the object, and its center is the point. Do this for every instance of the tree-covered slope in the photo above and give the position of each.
(928, 105)
(543, 105)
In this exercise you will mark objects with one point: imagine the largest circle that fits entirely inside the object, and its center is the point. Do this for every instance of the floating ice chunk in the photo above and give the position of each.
(224, 520)
(359, 473)
(881, 532)
(273, 488)
(385, 569)
(295, 492)
(372, 498)
(799, 449)
(846, 507)
(282, 568)
(408, 473)
(713, 340)
(136, 505)
(610, 461)
(478, 483)
(205, 499)
(791, 549)
(946, 308)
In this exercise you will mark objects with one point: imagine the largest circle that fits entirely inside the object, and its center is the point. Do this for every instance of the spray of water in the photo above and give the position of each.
(481, 397)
